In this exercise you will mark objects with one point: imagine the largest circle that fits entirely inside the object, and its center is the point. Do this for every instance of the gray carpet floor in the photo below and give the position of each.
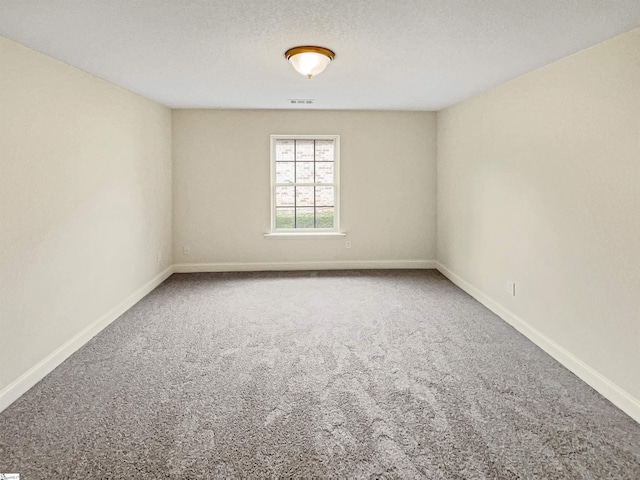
(358, 374)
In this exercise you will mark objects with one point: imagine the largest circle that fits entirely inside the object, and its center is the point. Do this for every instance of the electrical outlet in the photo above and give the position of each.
(347, 244)
(511, 288)
(186, 250)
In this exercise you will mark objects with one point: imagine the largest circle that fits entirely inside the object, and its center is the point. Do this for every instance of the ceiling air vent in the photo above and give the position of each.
(301, 101)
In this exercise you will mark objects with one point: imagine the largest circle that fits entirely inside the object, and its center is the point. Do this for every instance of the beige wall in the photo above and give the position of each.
(221, 186)
(85, 202)
(539, 182)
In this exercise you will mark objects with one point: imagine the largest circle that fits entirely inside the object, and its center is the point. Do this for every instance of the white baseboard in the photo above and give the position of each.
(279, 266)
(612, 392)
(18, 387)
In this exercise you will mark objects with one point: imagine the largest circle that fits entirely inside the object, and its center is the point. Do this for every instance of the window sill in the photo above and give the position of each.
(280, 235)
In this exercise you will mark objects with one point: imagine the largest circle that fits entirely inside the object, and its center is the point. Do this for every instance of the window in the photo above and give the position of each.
(305, 183)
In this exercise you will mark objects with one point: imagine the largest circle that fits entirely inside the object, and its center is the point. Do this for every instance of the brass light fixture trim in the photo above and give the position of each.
(304, 49)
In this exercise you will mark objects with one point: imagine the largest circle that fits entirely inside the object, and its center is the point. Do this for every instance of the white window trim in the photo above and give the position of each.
(306, 232)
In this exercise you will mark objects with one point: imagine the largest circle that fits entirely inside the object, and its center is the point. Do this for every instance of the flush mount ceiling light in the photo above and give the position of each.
(309, 61)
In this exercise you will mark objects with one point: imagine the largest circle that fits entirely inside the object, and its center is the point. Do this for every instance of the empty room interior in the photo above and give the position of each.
(249, 239)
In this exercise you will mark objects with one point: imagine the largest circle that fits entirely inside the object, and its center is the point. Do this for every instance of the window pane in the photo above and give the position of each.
(324, 217)
(304, 196)
(324, 196)
(304, 150)
(324, 172)
(284, 150)
(285, 196)
(284, 172)
(304, 217)
(324, 151)
(304, 172)
(305, 186)
(284, 218)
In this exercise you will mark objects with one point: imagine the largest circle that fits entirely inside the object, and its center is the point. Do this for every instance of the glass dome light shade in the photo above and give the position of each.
(309, 61)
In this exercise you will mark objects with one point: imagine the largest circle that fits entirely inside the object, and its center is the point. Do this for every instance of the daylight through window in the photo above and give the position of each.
(305, 183)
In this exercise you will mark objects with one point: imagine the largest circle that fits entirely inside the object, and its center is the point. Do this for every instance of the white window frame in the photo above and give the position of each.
(306, 232)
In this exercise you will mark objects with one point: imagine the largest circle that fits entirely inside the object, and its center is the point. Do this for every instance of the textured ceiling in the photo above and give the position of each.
(402, 54)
